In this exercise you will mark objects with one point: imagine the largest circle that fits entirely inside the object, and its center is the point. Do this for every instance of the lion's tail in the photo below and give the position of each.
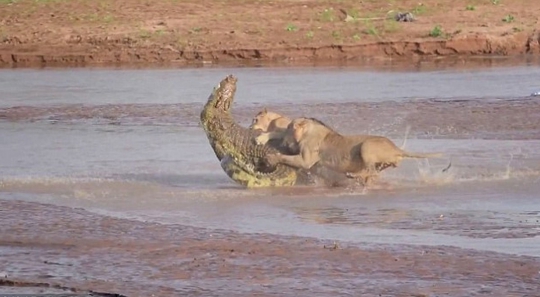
(420, 155)
(407, 130)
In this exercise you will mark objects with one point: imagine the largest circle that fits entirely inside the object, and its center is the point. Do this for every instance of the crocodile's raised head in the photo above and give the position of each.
(222, 97)
(242, 160)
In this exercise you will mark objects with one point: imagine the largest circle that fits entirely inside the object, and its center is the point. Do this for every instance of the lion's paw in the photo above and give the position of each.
(262, 139)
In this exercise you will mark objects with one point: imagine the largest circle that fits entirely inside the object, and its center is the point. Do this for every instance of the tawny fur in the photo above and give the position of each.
(361, 157)
(273, 126)
(269, 121)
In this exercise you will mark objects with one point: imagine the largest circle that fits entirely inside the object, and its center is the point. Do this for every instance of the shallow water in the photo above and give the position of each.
(127, 143)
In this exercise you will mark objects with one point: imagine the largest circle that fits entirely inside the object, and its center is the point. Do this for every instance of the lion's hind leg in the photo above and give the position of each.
(366, 176)
(382, 166)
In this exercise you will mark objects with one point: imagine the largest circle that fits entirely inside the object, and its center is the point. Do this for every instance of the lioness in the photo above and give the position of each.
(269, 121)
(361, 157)
(274, 126)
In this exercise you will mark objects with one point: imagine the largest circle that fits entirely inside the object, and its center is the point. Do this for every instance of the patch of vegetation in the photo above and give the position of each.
(148, 34)
(159, 32)
(356, 36)
(508, 18)
(336, 35)
(328, 15)
(437, 31)
(8, 2)
(47, 2)
(372, 31)
(310, 35)
(195, 30)
(391, 26)
(419, 9)
(495, 2)
(370, 28)
(109, 18)
(93, 17)
(145, 34)
(352, 15)
(516, 29)
(291, 28)
(470, 7)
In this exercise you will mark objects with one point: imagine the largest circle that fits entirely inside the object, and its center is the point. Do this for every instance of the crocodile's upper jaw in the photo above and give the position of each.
(223, 96)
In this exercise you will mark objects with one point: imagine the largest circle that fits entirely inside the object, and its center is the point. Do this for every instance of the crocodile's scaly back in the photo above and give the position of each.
(242, 160)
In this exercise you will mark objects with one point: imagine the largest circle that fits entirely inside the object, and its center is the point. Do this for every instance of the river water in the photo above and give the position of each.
(127, 143)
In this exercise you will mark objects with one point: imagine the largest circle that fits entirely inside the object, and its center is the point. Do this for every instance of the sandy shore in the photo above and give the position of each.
(128, 32)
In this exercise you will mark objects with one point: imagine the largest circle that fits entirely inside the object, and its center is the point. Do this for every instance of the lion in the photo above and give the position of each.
(269, 121)
(361, 157)
(274, 126)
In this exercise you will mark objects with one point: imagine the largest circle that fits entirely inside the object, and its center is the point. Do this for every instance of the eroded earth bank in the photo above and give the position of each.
(143, 32)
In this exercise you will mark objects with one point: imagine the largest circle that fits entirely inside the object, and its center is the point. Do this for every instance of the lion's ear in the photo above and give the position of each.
(299, 125)
(265, 111)
(302, 124)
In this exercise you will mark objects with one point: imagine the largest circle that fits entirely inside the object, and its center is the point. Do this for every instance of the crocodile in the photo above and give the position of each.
(241, 159)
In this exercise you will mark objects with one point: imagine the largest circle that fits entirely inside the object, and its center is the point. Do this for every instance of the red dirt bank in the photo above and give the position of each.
(80, 32)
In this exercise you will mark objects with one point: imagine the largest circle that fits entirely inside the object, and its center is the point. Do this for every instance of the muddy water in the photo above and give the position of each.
(127, 144)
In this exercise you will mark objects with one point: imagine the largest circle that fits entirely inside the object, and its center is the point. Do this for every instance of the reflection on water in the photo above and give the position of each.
(128, 143)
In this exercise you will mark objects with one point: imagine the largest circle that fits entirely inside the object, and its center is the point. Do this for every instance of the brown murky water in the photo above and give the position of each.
(107, 183)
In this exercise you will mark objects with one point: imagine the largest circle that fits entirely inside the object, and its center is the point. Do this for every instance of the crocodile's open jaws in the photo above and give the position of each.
(243, 160)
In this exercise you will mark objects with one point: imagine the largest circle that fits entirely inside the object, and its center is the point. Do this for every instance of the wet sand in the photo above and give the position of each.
(107, 183)
(132, 258)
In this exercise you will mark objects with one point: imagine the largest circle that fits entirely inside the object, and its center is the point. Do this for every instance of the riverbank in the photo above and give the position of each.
(141, 32)
(133, 258)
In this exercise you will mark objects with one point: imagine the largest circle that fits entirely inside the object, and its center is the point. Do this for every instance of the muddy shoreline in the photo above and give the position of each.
(105, 254)
(188, 33)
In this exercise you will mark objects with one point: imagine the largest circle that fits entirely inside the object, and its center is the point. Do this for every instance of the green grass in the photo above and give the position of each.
(470, 7)
(145, 34)
(352, 15)
(291, 28)
(327, 15)
(159, 32)
(336, 35)
(149, 34)
(391, 26)
(106, 18)
(370, 28)
(508, 18)
(419, 9)
(437, 31)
